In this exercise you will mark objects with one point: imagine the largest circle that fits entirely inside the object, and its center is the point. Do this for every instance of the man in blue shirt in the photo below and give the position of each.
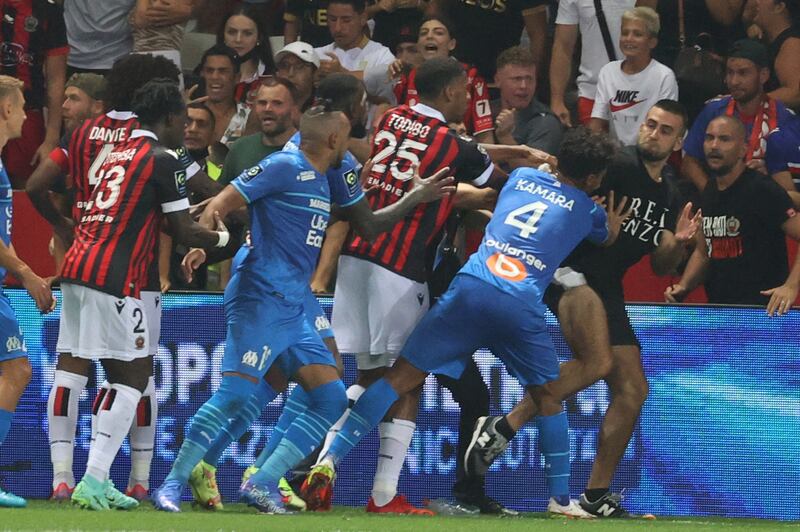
(783, 157)
(289, 201)
(747, 72)
(496, 299)
(15, 370)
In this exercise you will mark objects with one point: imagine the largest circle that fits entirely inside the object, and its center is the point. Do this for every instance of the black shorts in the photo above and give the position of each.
(620, 330)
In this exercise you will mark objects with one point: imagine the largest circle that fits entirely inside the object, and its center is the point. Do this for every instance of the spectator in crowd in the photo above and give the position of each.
(406, 49)
(712, 24)
(579, 18)
(627, 89)
(395, 18)
(85, 97)
(277, 111)
(306, 20)
(351, 50)
(741, 255)
(747, 72)
(243, 32)
(219, 69)
(778, 22)
(783, 157)
(298, 62)
(34, 51)
(436, 41)
(157, 38)
(519, 117)
(198, 137)
(484, 29)
(99, 32)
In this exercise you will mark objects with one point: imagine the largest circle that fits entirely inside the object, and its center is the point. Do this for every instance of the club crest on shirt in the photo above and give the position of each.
(31, 23)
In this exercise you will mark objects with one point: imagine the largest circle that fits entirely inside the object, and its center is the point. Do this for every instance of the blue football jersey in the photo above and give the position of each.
(344, 181)
(7, 210)
(289, 206)
(537, 222)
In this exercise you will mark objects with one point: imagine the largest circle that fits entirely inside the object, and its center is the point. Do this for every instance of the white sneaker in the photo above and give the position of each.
(573, 510)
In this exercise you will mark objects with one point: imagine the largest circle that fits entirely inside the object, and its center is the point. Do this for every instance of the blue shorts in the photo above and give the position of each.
(474, 314)
(12, 343)
(263, 329)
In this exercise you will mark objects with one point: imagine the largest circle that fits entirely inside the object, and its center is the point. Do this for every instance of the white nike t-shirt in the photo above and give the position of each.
(624, 99)
(593, 51)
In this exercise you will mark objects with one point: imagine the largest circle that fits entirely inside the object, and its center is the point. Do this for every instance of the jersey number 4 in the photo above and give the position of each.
(526, 217)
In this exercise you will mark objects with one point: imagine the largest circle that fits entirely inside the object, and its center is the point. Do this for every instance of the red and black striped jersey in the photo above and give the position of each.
(407, 137)
(30, 31)
(477, 119)
(117, 234)
(87, 149)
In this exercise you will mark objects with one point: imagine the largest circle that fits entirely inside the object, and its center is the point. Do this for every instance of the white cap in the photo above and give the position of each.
(302, 50)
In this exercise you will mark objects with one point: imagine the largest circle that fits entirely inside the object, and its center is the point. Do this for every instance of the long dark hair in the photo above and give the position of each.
(263, 50)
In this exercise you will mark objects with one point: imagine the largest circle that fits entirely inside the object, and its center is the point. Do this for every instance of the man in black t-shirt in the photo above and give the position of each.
(587, 297)
(741, 253)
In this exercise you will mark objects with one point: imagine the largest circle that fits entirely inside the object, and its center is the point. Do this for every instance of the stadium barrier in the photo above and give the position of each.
(719, 434)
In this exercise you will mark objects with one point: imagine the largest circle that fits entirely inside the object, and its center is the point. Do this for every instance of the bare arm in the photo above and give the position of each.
(56, 73)
(560, 68)
(164, 258)
(291, 28)
(370, 224)
(518, 155)
(787, 69)
(190, 233)
(671, 249)
(38, 288)
(166, 13)
(693, 275)
(783, 297)
(536, 27)
(470, 197)
(335, 236)
(38, 187)
(692, 169)
(598, 125)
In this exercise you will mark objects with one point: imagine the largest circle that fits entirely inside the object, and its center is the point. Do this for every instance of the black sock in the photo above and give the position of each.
(594, 495)
(504, 428)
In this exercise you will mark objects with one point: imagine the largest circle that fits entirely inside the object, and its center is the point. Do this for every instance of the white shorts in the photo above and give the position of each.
(96, 325)
(374, 311)
(152, 309)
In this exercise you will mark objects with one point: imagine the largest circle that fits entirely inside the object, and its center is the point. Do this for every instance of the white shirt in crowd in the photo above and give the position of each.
(358, 58)
(593, 51)
(624, 99)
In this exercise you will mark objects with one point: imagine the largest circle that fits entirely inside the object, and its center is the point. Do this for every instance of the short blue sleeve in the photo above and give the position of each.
(779, 152)
(274, 174)
(693, 145)
(345, 183)
(599, 232)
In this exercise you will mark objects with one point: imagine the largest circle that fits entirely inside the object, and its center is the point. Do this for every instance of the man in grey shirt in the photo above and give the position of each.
(99, 32)
(519, 117)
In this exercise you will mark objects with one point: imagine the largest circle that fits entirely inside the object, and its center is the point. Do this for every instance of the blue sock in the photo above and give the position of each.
(5, 424)
(297, 403)
(327, 403)
(231, 397)
(554, 442)
(364, 416)
(239, 425)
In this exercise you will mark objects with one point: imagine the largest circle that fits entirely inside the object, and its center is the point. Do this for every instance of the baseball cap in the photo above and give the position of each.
(752, 50)
(94, 85)
(302, 50)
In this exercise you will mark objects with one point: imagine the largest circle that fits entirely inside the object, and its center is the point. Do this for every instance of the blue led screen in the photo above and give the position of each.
(719, 433)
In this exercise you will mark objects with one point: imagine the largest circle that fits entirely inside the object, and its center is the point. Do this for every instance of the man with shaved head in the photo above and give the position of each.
(741, 254)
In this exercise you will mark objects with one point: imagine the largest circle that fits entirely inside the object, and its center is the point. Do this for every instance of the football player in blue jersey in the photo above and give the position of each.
(15, 370)
(538, 221)
(289, 201)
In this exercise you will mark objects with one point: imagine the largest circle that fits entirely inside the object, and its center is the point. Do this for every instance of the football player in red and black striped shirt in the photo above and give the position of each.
(381, 290)
(140, 183)
(74, 167)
